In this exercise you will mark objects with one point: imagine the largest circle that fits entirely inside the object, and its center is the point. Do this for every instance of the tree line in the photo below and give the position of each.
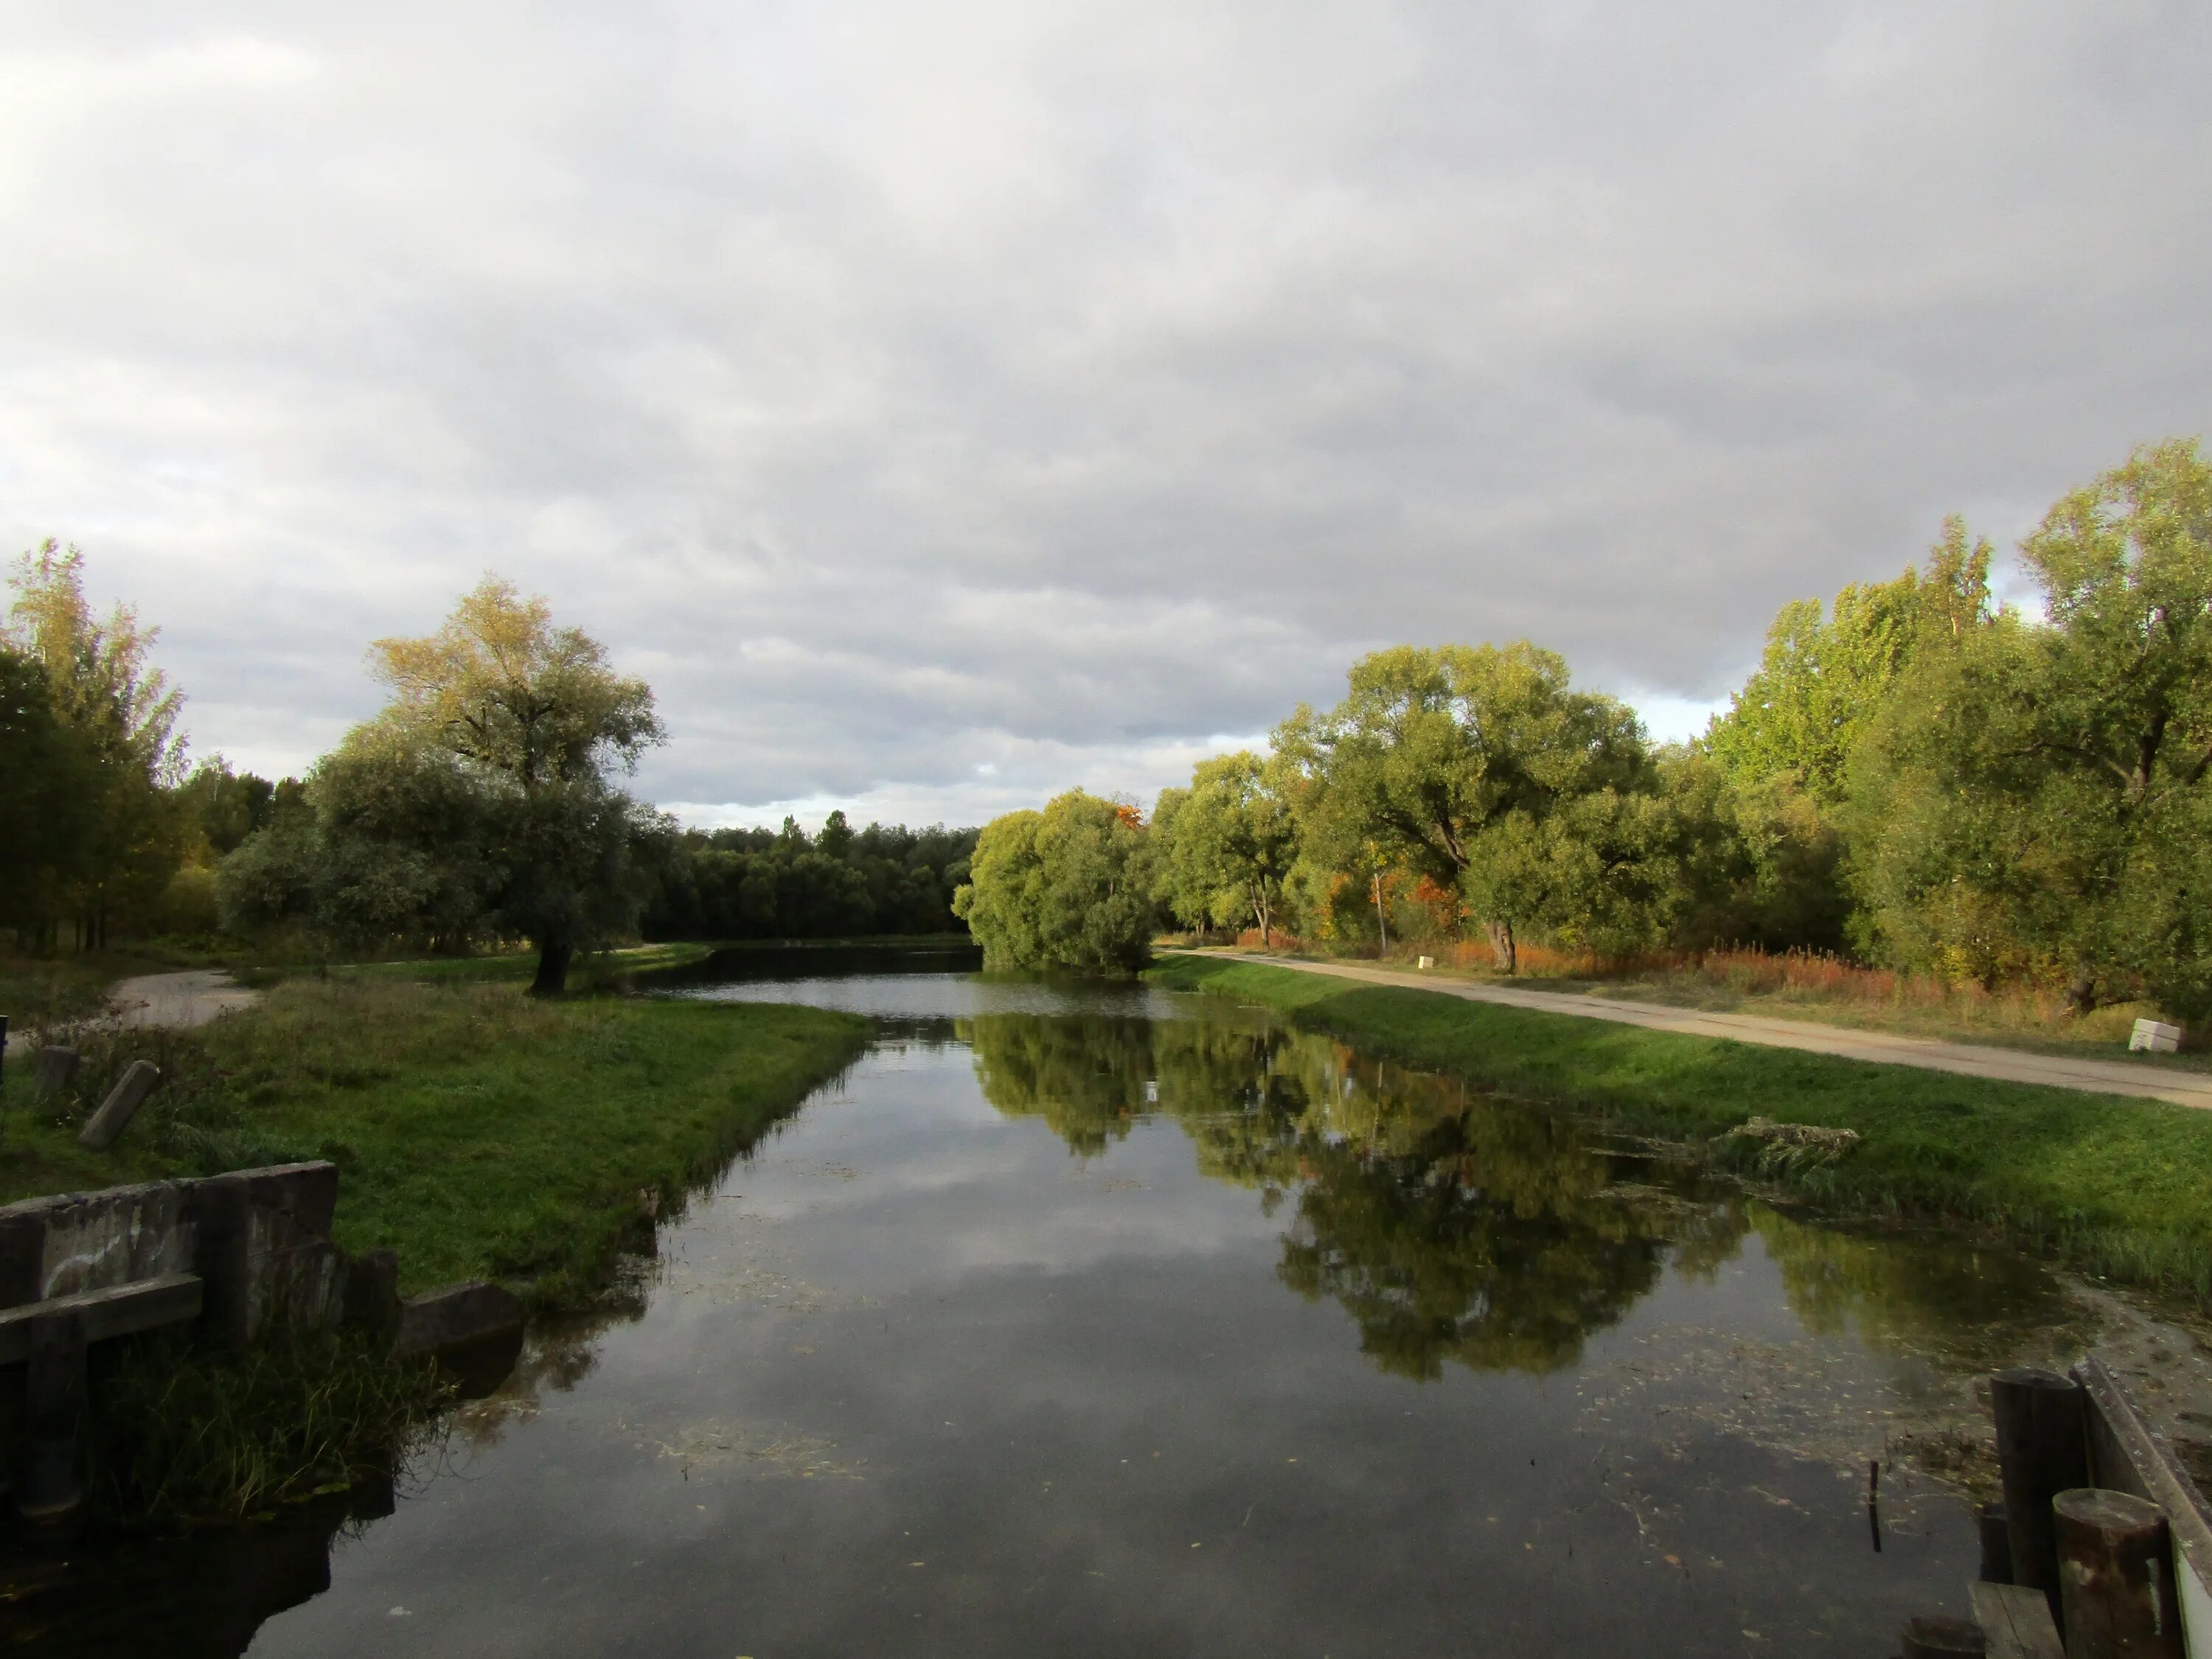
(1916, 776)
(481, 806)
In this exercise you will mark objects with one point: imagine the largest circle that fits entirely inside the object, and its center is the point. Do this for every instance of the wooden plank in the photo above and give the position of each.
(2016, 1621)
(120, 1311)
(2126, 1455)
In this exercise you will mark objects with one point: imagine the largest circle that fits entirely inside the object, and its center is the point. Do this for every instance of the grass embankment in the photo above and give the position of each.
(476, 1132)
(1808, 986)
(2120, 1186)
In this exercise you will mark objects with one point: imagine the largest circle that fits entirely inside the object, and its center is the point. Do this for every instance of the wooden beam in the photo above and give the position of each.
(2127, 1455)
(122, 1310)
(2016, 1622)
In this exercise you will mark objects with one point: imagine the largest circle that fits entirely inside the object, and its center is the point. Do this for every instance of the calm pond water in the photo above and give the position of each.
(1083, 1320)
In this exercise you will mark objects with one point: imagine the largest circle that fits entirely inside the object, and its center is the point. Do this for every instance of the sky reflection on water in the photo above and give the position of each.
(1095, 1320)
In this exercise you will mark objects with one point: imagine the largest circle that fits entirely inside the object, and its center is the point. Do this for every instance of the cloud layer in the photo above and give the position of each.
(942, 404)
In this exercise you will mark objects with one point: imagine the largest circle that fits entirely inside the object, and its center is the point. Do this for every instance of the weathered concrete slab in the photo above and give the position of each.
(307, 1193)
(372, 1295)
(264, 1270)
(93, 1240)
(122, 1310)
(456, 1315)
(121, 1105)
(56, 1067)
(22, 1253)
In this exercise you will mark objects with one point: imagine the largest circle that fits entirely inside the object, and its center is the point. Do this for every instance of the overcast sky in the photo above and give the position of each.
(942, 404)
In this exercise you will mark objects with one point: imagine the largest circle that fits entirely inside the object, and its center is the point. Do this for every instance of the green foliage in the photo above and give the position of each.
(1820, 681)
(1228, 844)
(760, 884)
(115, 758)
(2034, 803)
(1069, 887)
(43, 806)
(1477, 767)
(477, 804)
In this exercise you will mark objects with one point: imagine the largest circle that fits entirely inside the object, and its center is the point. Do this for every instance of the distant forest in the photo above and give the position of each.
(783, 883)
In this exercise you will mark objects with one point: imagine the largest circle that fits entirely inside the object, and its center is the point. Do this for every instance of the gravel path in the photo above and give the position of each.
(192, 998)
(2110, 1077)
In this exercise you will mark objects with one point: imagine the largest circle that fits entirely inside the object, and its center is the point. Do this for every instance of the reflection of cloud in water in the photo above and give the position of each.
(709, 1445)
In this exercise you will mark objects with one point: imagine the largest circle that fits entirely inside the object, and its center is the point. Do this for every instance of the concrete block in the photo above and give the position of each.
(455, 1315)
(2155, 1037)
(121, 1105)
(295, 1280)
(51, 1500)
(57, 1068)
(22, 1253)
(372, 1295)
(95, 1241)
(305, 1193)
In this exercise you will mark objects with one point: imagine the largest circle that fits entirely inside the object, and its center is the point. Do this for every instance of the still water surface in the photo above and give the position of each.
(1083, 1320)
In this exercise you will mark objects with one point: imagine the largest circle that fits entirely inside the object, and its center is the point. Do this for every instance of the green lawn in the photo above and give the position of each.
(2122, 1185)
(477, 1132)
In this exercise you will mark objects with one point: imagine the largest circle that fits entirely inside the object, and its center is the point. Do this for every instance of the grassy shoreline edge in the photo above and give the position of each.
(479, 1133)
(2119, 1186)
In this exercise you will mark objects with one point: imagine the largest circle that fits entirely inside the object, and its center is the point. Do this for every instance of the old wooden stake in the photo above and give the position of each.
(1938, 1636)
(2042, 1450)
(1996, 1546)
(2116, 1577)
(53, 1402)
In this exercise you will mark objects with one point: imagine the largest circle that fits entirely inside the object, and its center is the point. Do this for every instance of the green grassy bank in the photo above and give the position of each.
(2123, 1186)
(476, 1132)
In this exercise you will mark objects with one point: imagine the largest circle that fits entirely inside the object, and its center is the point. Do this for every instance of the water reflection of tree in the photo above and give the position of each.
(1083, 1075)
(1964, 1309)
(1450, 1225)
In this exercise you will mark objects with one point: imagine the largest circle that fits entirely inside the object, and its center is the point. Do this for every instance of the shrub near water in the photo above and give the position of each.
(180, 1434)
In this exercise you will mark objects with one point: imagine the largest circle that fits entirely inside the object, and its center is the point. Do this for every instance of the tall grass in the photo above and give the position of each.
(177, 1433)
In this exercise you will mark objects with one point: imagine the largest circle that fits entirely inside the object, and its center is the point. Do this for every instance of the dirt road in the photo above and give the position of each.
(2109, 1076)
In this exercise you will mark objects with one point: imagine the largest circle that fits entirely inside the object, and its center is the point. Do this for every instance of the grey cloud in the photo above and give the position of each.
(908, 391)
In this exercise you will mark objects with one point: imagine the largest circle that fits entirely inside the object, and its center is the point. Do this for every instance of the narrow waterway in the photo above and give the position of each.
(1081, 1320)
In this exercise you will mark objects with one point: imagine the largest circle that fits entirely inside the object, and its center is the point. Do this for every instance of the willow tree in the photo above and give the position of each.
(535, 715)
(1228, 844)
(1451, 762)
(1069, 887)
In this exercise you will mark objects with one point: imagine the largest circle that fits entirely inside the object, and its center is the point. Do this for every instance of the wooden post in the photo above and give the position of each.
(2042, 1450)
(224, 1260)
(2115, 1575)
(1938, 1636)
(53, 1402)
(1996, 1545)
